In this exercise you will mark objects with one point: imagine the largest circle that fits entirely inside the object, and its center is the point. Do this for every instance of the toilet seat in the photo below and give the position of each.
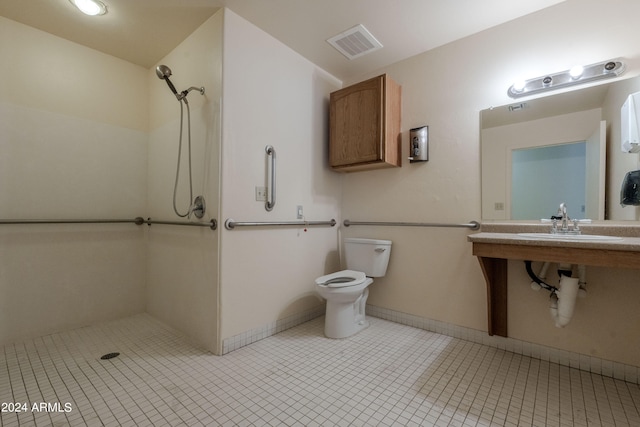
(341, 279)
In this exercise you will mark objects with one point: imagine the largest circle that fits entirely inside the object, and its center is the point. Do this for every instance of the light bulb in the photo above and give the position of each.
(576, 72)
(519, 85)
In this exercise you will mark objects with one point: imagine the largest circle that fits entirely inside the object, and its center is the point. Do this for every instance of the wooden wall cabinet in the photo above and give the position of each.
(364, 123)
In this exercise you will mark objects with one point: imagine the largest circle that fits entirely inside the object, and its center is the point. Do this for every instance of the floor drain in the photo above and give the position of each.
(110, 356)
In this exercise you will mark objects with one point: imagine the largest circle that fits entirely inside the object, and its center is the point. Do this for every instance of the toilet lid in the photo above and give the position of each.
(341, 279)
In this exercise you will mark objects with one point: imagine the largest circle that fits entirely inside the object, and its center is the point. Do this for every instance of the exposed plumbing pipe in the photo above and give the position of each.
(536, 283)
(563, 301)
(563, 298)
(582, 282)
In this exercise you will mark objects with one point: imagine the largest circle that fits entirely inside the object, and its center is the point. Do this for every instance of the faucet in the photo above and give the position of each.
(564, 225)
(562, 211)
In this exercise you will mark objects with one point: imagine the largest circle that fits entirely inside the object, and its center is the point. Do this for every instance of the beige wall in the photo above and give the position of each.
(73, 145)
(432, 272)
(273, 96)
(52, 74)
(182, 261)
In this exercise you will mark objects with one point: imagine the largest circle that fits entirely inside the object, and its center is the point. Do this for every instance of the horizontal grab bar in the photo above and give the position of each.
(474, 225)
(68, 221)
(230, 224)
(213, 224)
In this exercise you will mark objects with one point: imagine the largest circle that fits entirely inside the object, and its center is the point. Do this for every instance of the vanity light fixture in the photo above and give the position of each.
(574, 76)
(90, 7)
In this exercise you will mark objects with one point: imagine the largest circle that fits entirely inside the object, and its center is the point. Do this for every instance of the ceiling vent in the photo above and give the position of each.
(355, 42)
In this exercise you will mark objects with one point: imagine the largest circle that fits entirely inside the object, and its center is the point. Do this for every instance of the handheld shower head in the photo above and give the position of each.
(163, 72)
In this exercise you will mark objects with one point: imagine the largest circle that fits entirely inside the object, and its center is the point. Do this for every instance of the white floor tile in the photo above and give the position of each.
(388, 374)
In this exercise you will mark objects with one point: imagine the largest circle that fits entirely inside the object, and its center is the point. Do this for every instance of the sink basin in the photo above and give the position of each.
(570, 237)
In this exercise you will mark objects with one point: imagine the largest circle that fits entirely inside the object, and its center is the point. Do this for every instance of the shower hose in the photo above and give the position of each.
(175, 186)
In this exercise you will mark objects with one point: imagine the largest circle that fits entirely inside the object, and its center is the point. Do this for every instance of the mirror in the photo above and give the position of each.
(565, 147)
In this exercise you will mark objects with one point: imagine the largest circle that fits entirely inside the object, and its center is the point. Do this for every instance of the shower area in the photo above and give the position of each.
(100, 138)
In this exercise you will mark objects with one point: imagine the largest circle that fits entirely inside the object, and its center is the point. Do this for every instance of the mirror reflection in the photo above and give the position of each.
(543, 175)
(541, 152)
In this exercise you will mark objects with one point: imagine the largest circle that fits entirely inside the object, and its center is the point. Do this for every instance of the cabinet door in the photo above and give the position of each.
(356, 117)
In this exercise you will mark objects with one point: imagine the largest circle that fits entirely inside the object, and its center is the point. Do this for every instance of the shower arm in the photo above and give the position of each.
(199, 89)
(184, 93)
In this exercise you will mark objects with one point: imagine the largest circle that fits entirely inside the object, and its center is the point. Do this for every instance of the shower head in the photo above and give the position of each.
(163, 72)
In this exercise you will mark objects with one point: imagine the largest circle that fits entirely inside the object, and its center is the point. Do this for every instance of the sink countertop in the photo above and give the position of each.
(626, 244)
(608, 228)
(507, 233)
(512, 238)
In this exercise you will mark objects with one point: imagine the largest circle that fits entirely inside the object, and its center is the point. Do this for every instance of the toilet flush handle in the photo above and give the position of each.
(380, 249)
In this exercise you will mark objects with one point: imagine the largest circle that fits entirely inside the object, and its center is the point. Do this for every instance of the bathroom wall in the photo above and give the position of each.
(432, 272)
(183, 261)
(72, 145)
(273, 96)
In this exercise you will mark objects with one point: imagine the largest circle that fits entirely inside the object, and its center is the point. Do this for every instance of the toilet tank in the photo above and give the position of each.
(370, 256)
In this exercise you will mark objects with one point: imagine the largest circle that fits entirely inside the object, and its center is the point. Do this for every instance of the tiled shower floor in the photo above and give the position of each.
(389, 374)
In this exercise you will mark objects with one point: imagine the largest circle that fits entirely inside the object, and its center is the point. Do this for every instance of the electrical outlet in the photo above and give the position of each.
(299, 213)
(261, 194)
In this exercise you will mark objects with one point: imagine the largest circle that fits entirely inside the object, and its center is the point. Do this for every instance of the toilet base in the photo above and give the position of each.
(343, 320)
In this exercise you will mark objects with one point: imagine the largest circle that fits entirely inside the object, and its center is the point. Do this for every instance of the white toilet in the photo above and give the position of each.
(346, 291)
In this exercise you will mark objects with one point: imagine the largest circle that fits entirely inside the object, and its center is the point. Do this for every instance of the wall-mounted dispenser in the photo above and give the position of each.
(419, 144)
(630, 191)
(630, 123)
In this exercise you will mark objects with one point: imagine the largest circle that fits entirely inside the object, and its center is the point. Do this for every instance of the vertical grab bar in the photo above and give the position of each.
(271, 184)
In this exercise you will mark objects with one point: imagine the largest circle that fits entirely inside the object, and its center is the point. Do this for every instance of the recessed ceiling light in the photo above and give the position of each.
(90, 7)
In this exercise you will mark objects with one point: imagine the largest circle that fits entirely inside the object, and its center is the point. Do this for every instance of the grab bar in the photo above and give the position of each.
(230, 224)
(271, 185)
(213, 224)
(67, 221)
(474, 225)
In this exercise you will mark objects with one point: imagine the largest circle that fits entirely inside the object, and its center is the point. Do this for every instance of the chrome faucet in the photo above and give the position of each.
(564, 225)
(562, 212)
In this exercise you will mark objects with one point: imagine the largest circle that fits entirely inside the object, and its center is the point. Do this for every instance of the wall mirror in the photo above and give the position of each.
(540, 152)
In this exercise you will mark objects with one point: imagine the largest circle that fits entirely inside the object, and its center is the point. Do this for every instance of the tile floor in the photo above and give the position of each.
(388, 375)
